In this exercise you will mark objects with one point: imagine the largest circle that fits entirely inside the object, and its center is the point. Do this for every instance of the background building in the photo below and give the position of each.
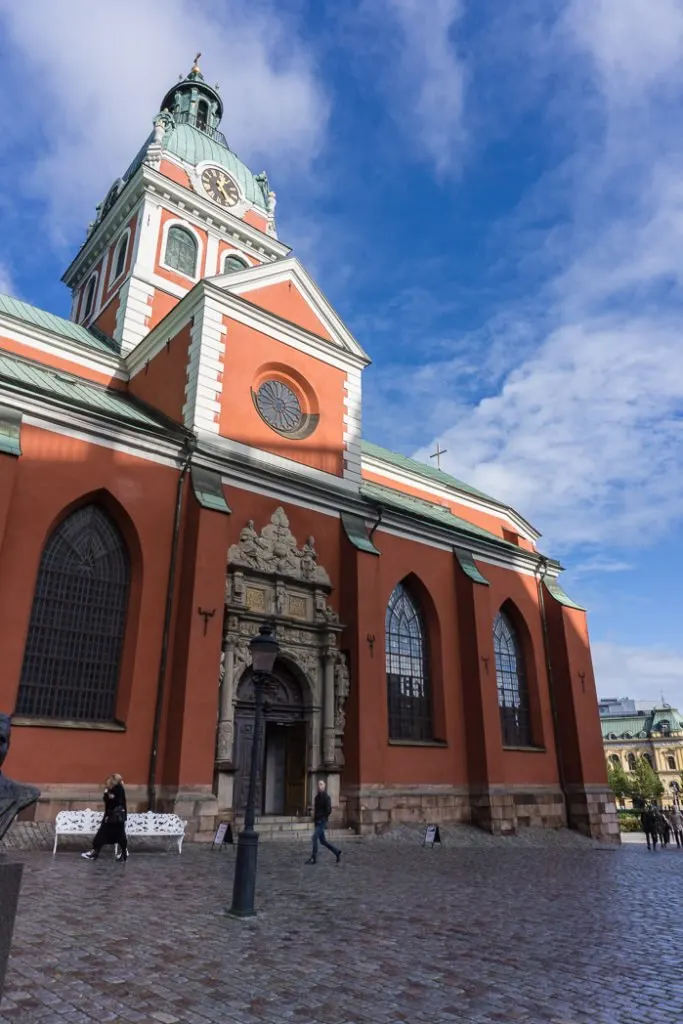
(181, 462)
(655, 734)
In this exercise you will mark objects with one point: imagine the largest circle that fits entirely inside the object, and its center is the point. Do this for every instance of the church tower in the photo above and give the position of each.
(187, 208)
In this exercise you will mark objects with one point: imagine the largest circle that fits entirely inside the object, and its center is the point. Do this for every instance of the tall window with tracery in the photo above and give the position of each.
(513, 691)
(410, 706)
(181, 251)
(75, 639)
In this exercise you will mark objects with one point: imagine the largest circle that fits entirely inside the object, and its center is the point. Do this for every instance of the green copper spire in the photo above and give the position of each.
(193, 101)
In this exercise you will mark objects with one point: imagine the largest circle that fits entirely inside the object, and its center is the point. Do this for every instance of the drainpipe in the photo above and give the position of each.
(190, 446)
(541, 574)
(380, 513)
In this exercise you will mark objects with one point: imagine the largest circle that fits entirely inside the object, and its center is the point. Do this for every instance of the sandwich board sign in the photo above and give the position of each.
(432, 836)
(223, 836)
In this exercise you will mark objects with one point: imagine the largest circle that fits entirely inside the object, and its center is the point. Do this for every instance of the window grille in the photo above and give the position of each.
(513, 692)
(232, 264)
(410, 710)
(75, 639)
(181, 251)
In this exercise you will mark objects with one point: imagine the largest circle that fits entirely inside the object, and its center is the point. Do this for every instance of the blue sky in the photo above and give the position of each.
(490, 194)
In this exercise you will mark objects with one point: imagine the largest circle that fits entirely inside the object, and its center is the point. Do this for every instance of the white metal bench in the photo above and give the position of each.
(86, 823)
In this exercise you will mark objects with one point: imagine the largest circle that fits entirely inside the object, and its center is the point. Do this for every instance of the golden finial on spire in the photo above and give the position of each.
(195, 67)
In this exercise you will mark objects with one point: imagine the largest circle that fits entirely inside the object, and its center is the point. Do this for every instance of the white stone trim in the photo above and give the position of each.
(291, 271)
(144, 256)
(45, 341)
(376, 465)
(278, 494)
(125, 234)
(133, 313)
(352, 426)
(211, 261)
(178, 222)
(204, 388)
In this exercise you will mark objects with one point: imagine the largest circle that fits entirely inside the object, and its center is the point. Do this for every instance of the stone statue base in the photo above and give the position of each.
(10, 884)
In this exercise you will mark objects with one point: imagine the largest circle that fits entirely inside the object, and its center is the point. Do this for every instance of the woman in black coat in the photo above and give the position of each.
(113, 828)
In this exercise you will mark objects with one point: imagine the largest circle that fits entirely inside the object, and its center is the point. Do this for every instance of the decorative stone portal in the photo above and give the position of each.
(281, 782)
(270, 579)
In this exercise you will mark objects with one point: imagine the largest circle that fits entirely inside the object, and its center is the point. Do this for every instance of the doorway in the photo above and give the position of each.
(282, 769)
(285, 768)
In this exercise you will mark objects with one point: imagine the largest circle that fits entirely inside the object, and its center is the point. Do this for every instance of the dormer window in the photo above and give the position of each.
(202, 115)
(233, 264)
(181, 251)
(89, 297)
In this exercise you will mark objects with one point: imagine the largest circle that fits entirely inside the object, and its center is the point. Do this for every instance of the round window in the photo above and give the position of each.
(279, 406)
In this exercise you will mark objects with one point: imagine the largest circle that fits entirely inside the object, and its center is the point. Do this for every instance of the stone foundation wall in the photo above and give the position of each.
(593, 812)
(375, 808)
(506, 810)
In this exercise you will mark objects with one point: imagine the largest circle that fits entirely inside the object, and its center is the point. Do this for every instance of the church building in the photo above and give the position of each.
(181, 462)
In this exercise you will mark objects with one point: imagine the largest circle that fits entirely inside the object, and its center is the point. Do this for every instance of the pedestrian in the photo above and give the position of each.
(322, 809)
(677, 825)
(112, 830)
(648, 821)
(663, 826)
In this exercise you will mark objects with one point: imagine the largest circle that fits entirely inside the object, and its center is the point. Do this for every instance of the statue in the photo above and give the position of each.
(14, 796)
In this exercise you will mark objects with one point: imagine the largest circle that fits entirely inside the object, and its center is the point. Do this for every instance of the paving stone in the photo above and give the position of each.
(526, 930)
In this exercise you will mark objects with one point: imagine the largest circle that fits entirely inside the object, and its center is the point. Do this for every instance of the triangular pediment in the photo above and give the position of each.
(285, 289)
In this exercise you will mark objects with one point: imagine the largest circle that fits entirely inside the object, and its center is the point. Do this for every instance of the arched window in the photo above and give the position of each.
(233, 263)
(89, 297)
(73, 651)
(615, 760)
(410, 707)
(648, 758)
(671, 763)
(202, 114)
(513, 692)
(181, 251)
(121, 256)
(631, 762)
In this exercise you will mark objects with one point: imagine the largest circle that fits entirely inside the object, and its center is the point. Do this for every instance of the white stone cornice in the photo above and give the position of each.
(396, 475)
(103, 234)
(43, 340)
(290, 270)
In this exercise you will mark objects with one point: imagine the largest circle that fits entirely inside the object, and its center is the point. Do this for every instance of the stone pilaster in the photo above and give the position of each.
(593, 812)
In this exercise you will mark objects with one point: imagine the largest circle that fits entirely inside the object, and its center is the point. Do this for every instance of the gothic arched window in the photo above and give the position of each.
(181, 251)
(513, 692)
(233, 263)
(75, 639)
(410, 706)
(89, 297)
(631, 762)
(121, 256)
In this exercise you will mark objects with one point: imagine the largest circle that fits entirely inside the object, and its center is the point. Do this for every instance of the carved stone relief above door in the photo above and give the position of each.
(270, 579)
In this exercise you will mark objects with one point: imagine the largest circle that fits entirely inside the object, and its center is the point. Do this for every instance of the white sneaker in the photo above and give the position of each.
(90, 855)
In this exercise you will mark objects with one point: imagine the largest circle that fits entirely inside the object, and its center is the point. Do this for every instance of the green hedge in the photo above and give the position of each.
(629, 822)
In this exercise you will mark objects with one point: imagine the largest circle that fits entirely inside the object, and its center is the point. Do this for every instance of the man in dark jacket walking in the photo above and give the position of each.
(322, 809)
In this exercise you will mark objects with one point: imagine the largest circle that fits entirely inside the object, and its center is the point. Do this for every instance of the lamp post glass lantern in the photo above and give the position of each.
(264, 650)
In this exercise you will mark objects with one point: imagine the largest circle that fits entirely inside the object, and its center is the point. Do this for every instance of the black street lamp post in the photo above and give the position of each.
(264, 650)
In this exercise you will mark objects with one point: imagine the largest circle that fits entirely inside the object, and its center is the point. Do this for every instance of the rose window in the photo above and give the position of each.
(279, 406)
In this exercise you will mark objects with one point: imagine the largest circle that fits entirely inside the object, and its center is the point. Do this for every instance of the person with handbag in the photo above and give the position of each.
(112, 831)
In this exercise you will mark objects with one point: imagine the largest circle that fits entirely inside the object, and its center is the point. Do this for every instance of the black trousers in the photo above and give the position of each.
(110, 833)
(653, 837)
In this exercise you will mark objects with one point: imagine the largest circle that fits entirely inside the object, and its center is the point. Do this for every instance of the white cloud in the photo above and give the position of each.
(98, 75)
(426, 80)
(584, 434)
(6, 282)
(644, 673)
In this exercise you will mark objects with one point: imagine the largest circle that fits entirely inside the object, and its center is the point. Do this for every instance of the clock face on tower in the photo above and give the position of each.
(219, 187)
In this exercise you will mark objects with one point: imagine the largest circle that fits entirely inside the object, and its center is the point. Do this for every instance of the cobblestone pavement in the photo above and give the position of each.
(531, 931)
